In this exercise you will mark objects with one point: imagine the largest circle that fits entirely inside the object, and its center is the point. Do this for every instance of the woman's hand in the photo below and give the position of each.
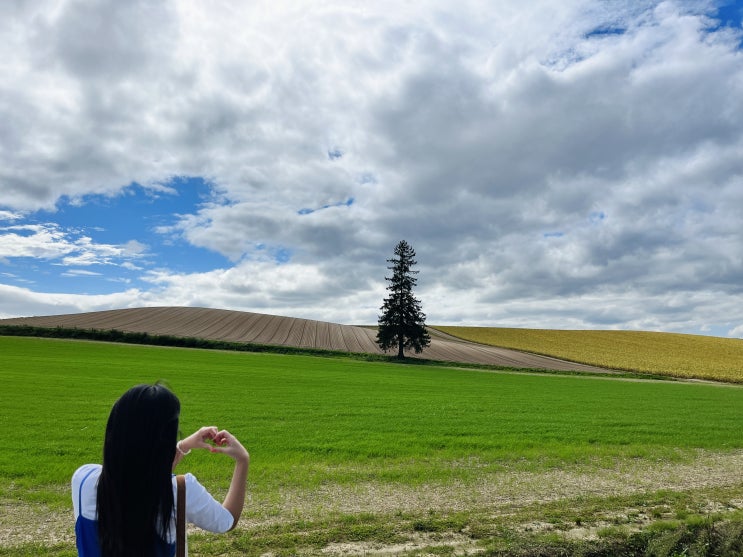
(200, 439)
(226, 443)
(215, 441)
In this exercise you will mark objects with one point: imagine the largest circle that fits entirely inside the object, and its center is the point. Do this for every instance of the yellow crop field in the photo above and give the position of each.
(677, 355)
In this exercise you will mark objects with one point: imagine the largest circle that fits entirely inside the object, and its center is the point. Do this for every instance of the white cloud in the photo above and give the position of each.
(265, 287)
(80, 273)
(15, 301)
(49, 241)
(10, 216)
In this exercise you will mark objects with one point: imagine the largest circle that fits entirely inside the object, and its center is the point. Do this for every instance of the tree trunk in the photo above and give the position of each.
(400, 354)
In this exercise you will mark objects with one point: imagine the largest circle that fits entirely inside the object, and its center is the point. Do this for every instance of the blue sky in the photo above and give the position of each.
(111, 240)
(574, 164)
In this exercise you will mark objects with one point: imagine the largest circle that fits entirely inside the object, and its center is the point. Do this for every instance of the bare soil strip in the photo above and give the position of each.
(237, 326)
(505, 493)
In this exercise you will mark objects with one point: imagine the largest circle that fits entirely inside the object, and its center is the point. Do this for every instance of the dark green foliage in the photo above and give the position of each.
(402, 323)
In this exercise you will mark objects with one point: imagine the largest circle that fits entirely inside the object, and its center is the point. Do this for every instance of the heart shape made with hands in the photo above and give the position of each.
(212, 438)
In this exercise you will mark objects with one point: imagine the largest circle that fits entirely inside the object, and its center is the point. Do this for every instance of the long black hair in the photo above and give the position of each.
(135, 493)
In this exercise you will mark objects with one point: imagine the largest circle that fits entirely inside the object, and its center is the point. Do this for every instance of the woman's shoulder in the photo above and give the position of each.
(189, 478)
(84, 489)
(195, 491)
(191, 482)
(84, 471)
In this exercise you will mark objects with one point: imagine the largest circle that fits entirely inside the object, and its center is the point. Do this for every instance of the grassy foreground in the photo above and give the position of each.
(671, 354)
(350, 452)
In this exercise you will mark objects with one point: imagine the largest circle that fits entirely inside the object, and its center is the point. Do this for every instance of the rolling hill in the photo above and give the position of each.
(248, 327)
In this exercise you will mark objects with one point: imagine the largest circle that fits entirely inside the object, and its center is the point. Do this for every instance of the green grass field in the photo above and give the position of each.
(317, 424)
(674, 355)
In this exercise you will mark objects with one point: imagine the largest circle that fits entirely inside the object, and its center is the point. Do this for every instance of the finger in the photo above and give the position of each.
(205, 437)
(221, 441)
(223, 437)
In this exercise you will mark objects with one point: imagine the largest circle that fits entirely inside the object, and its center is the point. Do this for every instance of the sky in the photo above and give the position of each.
(559, 164)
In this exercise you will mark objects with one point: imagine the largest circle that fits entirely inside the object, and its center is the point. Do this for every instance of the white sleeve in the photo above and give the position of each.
(203, 510)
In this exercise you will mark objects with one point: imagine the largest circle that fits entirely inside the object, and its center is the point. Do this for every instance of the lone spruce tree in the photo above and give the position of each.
(402, 322)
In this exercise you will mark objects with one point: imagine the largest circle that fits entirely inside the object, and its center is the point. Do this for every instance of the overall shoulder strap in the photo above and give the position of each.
(180, 520)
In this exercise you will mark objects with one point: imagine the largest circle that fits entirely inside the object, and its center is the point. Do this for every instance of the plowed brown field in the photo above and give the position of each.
(239, 326)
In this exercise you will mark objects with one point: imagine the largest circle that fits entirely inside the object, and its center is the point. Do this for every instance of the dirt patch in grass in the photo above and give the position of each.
(509, 489)
(23, 523)
(458, 543)
(500, 494)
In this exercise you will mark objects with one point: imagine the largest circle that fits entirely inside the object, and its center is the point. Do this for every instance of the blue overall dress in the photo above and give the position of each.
(86, 532)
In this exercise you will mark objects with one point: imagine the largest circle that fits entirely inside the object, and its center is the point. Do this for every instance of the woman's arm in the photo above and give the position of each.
(226, 443)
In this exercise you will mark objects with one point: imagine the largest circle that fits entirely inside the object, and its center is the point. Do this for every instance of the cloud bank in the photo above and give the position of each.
(572, 164)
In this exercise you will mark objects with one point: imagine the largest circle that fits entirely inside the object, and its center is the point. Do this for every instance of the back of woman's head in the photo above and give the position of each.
(135, 494)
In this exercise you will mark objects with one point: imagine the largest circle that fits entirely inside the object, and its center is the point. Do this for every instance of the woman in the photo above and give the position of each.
(127, 506)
